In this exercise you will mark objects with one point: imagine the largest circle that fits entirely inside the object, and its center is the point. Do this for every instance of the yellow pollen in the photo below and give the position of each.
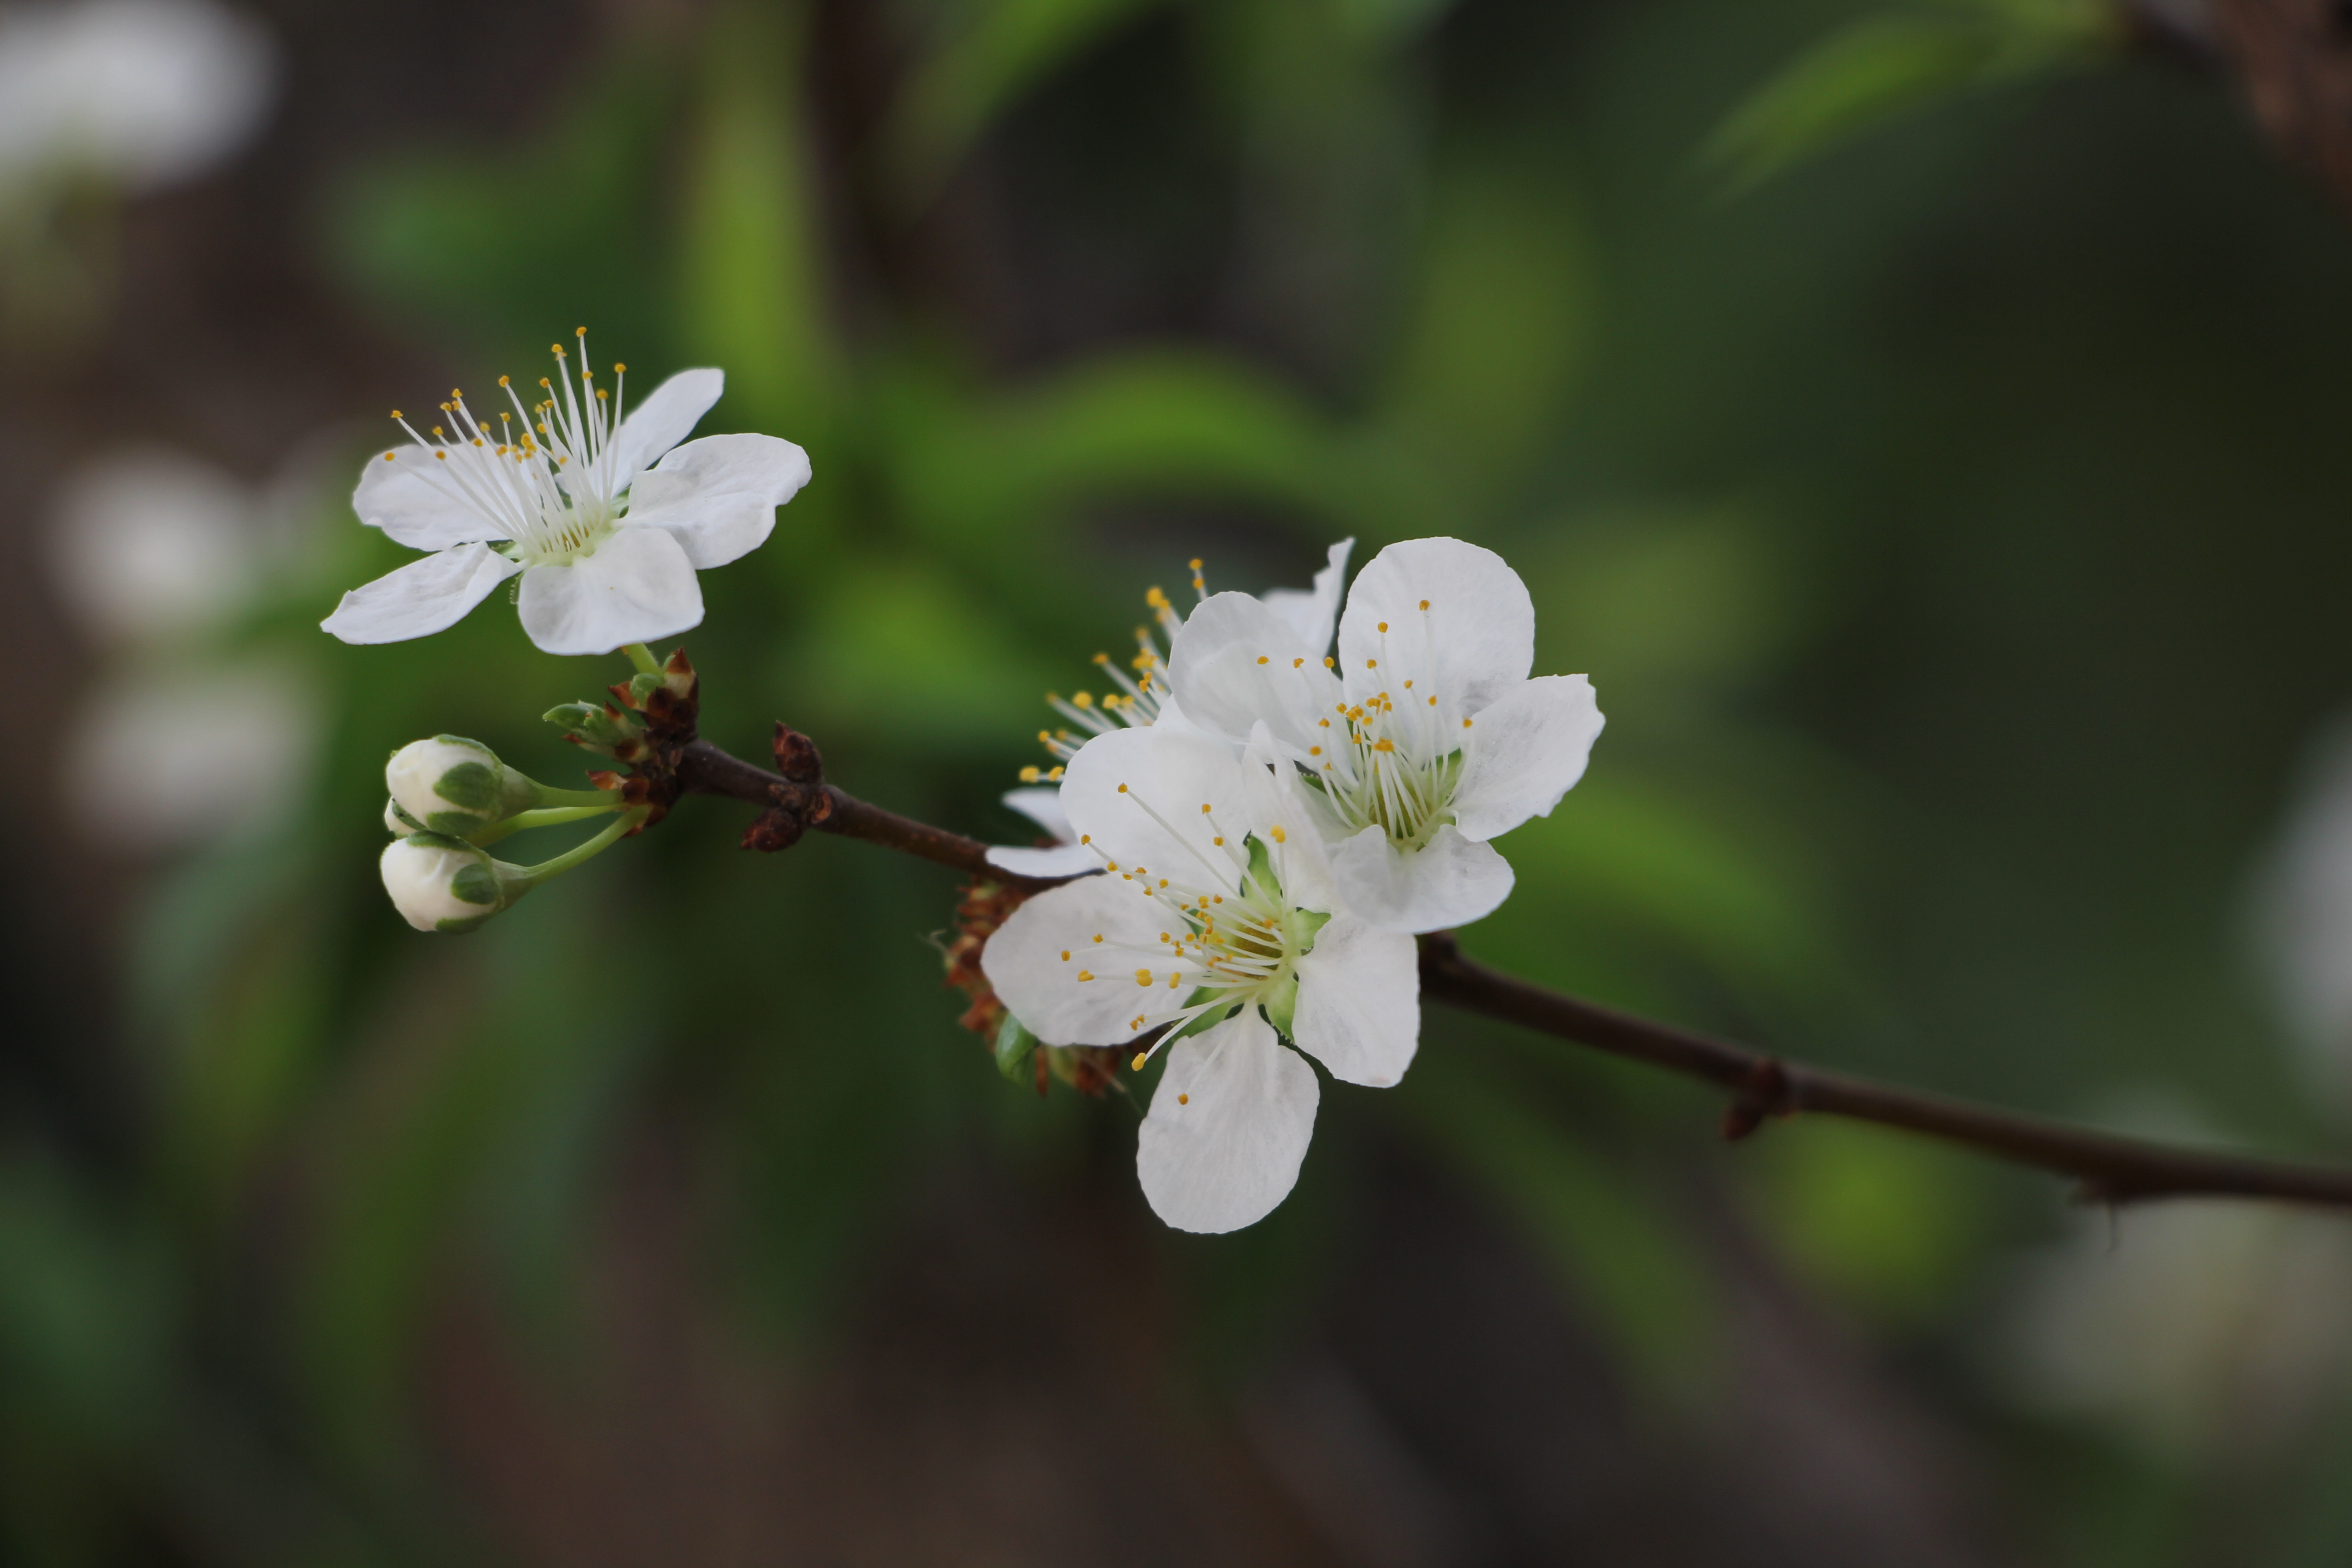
(1122, 789)
(387, 456)
(1384, 626)
(1314, 750)
(1424, 604)
(1065, 955)
(1408, 686)
(1086, 974)
(1279, 835)
(1029, 776)
(1384, 744)
(620, 369)
(579, 331)
(1261, 659)
(1219, 841)
(442, 457)
(1155, 598)
(1183, 1100)
(1465, 723)
(1372, 664)
(1433, 702)
(1217, 898)
(1083, 700)
(1194, 563)
(1138, 1063)
(395, 414)
(1087, 839)
(1163, 882)
(1143, 977)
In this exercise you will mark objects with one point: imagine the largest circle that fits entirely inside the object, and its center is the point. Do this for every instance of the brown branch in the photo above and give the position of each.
(2109, 1169)
(2106, 1168)
(798, 801)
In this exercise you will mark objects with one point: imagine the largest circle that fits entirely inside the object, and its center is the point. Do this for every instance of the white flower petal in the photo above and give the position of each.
(1228, 1127)
(717, 497)
(1449, 882)
(1359, 1001)
(1042, 804)
(637, 586)
(1023, 960)
(1156, 821)
(1313, 613)
(663, 420)
(1061, 860)
(1474, 642)
(421, 598)
(419, 508)
(1236, 662)
(1524, 752)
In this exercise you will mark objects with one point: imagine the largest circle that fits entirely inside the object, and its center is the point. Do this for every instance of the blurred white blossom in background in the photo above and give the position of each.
(176, 742)
(2301, 923)
(2205, 1334)
(136, 93)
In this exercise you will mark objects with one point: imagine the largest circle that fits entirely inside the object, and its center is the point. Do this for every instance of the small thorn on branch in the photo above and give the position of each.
(1766, 1093)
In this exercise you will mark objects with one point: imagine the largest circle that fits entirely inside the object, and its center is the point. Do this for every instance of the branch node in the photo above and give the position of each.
(1765, 1093)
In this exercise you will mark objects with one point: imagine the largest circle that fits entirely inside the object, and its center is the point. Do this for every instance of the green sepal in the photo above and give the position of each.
(476, 884)
(392, 808)
(1281, 1007)
(1014, 1044)
(642, 687)
(463, 928)
(471, 787)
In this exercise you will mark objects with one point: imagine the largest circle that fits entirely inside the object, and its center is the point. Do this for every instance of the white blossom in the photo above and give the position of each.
(562, 493)
(1141, 700)
(139, 93)
(1214, 920)
(438, 883)
(1422, 740)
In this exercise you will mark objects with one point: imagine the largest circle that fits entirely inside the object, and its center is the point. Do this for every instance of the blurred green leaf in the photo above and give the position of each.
(1888, 1224)
(751, 290)
(1889, 65)
(1014, 1045)
(998, 50)
(1497, 326)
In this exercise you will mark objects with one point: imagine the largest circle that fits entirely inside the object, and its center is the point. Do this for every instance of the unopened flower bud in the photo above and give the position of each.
(398, 823)
(453, 785)
(440, 883)
(612, 730)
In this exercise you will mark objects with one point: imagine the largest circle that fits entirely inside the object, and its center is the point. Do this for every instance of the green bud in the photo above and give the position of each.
(453, 785)
(440, 883)
(610, 730)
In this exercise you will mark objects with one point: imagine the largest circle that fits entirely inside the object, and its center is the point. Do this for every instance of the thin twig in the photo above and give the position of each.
(2106, 1168)
(2109, 1169)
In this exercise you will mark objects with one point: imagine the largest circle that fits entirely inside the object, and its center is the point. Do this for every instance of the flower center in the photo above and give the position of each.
(1232, 937)
(1390, 765)
(551, 487)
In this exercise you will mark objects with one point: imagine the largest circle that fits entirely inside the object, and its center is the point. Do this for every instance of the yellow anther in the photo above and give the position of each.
(1087, 839)
(1424, 604)
(1083, 700)
(1433, 702)
(1384, 744)
(1372, 664)
(1143, 977)
(1279, 838)
(1065, 955)
(1330, 663)
(1465, 723)
(395, 414)
(1194, 563)
(1029, 776)
(1086, 974)
(1097, 936)
(1138, 1063)
(1183, 1100)
(1323, 723)
(505, 381)
(579, 331)
(1172, 980)
(441, 457)
(1155, 598)
(1296, 662)
(620, 369)
(1408, 686)
(1217, 898)
(387, 456)
(1122, 789)
(1219, 841)
(1163, 882)
(1314, 750)
(1384, 626)
(1204, 808)
(1055, 773)
(1261, 659)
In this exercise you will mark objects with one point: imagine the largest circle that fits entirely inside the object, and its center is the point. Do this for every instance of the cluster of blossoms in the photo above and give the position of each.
(1257, 821)
(1267, 825)
(607, 519)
